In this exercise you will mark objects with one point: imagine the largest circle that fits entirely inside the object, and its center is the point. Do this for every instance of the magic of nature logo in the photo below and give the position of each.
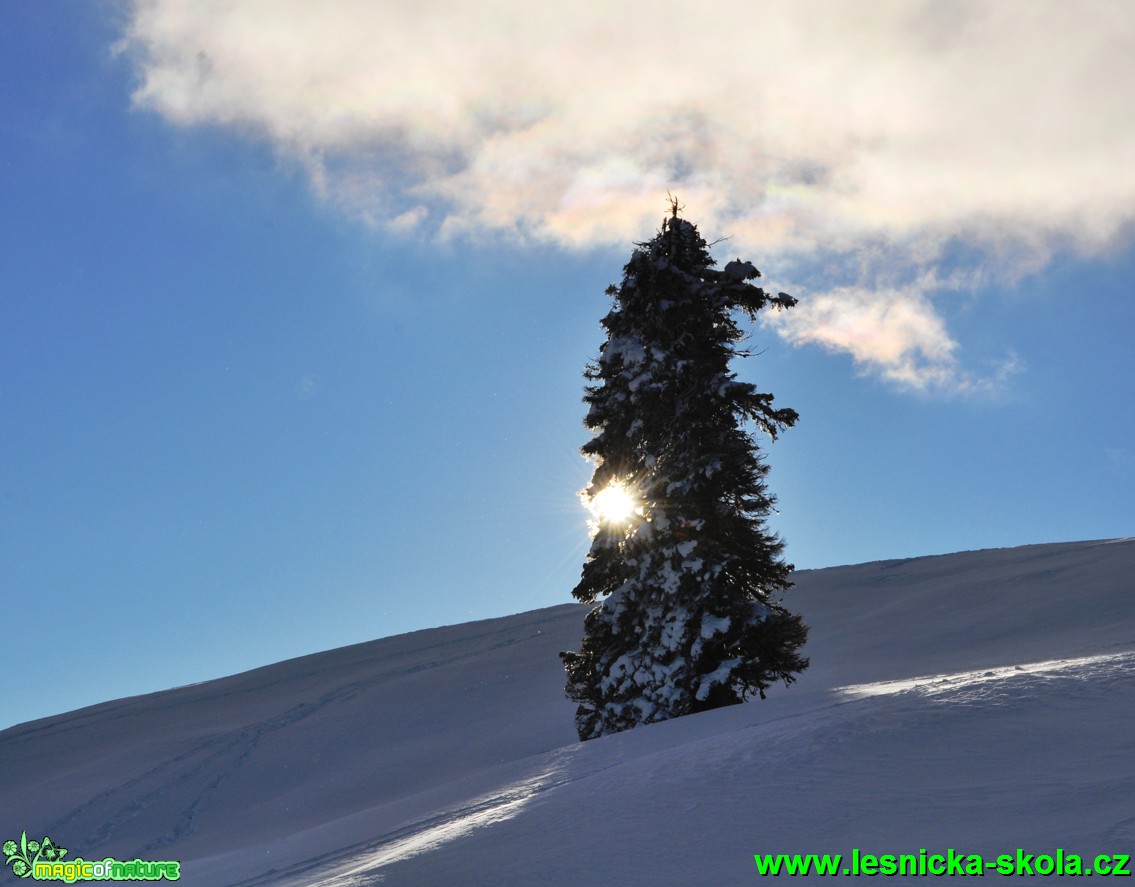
(44, 861)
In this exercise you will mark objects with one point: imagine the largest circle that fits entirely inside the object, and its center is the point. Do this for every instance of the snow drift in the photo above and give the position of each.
(978, 701)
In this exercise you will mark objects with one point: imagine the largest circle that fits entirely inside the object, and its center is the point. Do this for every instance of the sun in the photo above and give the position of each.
(614, 504)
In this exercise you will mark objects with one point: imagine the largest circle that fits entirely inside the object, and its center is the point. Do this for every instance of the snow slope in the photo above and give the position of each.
(982, 701)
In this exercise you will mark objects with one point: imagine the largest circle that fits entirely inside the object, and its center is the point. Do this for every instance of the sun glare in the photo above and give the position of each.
(613, 504)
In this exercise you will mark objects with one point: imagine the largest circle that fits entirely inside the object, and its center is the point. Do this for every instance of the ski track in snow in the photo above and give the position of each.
(217, 757)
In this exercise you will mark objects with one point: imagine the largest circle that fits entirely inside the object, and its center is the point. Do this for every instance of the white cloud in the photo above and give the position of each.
(803, 130)
(894, 333)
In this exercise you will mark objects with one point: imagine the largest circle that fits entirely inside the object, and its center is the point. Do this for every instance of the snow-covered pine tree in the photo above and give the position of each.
(689, 617)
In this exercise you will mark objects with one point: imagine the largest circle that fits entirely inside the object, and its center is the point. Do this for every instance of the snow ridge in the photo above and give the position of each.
(979, 701)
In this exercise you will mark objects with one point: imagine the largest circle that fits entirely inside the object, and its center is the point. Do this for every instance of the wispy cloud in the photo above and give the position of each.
(804, 130)
(894, 333)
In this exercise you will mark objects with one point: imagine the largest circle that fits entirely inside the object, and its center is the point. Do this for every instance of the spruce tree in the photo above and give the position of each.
(688, 576)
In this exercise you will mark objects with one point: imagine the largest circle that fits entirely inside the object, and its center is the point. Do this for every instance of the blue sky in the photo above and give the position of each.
(291, 354)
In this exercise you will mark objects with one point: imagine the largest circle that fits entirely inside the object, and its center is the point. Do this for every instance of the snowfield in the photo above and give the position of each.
(982, 701)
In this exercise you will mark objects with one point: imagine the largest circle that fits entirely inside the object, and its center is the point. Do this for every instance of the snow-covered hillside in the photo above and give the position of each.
(981, 701)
